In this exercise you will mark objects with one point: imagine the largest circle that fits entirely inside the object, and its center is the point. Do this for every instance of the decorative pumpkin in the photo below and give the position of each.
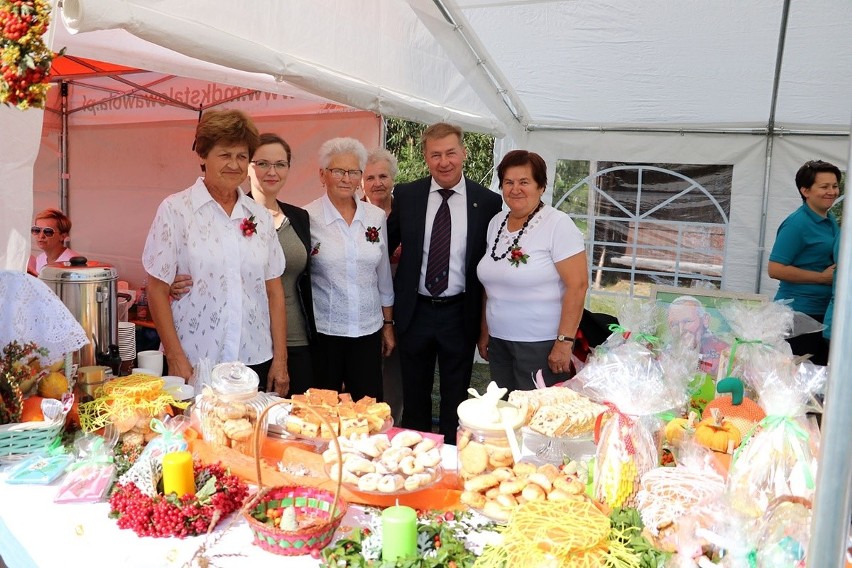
(743, 412)
(718, 433)
(677, 428)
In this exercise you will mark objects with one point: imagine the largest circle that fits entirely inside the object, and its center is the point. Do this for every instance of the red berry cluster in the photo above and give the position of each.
(19, 81)
(168, 515)
(16, 18)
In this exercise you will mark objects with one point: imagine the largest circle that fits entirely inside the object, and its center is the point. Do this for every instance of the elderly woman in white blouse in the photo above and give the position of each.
(226, 243)
(350, 276)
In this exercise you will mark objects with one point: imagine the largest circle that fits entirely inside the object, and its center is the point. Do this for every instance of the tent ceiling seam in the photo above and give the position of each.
(471, 41)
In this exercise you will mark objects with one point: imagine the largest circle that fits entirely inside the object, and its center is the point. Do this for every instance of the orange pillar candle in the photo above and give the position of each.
(178, 476)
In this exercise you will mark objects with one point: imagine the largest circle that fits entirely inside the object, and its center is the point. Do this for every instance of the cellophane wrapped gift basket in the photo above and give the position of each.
(36, 331)
(635, 382)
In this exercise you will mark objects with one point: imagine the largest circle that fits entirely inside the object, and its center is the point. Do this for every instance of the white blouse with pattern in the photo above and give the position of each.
(225, 316)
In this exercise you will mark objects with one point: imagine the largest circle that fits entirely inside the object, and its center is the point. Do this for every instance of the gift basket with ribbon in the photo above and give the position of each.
(635, 383)
(779, 457)
(35, 330)
(293, 520)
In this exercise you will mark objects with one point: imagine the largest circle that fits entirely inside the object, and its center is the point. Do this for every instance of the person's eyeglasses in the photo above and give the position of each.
(48, 231)
(265, 165)
(338, 173)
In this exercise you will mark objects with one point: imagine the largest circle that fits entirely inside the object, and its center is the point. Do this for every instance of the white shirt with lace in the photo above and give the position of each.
(225, 315)
(350, 275)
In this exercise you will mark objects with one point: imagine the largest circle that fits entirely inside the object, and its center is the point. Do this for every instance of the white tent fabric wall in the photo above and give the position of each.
(18, 144)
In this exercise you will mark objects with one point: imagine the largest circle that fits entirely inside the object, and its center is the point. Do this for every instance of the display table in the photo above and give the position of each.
(35, 532)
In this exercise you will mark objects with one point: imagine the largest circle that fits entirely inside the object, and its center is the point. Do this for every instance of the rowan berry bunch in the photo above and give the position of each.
(25, 60)
(218, 494)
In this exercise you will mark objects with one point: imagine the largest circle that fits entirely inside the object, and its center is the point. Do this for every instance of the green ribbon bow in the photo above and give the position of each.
(638, 336)
(791, 427)
(737, 343)
(98, 455)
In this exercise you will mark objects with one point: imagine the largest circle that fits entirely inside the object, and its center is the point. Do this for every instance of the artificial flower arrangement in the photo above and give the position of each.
(19, 367)
(25, 61)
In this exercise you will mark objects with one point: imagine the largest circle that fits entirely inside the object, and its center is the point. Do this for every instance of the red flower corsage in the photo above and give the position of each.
(248, 226)
(517, 256)
(372, 234)
(315, 250)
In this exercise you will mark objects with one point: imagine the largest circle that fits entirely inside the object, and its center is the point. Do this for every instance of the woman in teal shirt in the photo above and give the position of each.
(803, 256)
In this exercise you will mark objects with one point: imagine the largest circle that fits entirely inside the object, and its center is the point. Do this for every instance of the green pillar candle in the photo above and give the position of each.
(399, 533)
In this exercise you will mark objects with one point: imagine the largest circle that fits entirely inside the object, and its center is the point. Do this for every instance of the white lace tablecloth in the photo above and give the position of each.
(30, 311)
(35, 532)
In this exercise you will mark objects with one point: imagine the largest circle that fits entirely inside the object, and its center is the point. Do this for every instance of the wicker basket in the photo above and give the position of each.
(308, 501)
(19, 440)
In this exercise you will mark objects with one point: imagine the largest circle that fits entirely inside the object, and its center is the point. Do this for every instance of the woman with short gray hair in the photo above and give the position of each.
(351, 277)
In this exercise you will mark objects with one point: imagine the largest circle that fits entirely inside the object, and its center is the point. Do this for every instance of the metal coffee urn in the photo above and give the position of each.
(88, 290)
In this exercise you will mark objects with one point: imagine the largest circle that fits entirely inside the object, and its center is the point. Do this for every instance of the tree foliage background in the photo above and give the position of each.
(403, 141)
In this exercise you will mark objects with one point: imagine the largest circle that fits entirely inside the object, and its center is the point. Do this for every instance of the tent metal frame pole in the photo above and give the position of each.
(832, 504)
(63, 151)
(674, 130)
(770, 143)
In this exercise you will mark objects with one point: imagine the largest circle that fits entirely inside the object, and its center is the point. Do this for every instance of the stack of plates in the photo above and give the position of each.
(127, 340)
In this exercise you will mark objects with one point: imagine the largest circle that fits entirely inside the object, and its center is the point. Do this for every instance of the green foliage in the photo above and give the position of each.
(403, 141)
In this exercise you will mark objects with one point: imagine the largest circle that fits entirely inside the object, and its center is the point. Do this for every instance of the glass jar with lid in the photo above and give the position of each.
(229, 409)
(488, 431)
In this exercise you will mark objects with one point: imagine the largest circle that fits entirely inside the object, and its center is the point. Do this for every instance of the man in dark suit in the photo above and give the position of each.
(438, 309)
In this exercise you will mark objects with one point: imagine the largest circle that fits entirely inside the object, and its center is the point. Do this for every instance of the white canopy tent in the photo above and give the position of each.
(760, 86)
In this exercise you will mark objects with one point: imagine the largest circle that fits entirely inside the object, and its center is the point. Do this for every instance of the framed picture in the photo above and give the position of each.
(710, 301)
(694, 313)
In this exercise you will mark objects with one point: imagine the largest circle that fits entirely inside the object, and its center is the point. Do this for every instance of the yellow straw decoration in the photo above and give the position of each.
(119, 399)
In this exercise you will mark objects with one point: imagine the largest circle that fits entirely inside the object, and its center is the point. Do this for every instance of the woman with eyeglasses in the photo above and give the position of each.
(803, 257)
(227, 243)
(351, 277)
(50, 229)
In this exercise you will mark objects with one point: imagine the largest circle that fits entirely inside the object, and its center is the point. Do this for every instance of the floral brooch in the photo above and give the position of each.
(517, 256)
(372, 234)
(248, 226)
(315, 250)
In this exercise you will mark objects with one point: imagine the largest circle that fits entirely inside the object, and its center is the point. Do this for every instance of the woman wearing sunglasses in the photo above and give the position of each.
(50, 229)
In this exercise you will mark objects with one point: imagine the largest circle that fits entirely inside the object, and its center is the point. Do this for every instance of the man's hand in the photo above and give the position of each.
(181, 286)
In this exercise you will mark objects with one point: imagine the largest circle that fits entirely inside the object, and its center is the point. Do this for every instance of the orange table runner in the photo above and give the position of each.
(444, 495)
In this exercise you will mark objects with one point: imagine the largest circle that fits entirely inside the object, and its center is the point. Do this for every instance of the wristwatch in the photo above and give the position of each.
(564, 338)
(389, 322)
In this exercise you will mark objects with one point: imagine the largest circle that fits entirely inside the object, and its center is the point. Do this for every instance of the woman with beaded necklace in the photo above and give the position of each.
(535, 280)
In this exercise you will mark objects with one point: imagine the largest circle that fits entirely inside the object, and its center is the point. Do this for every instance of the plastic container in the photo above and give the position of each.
(482, 440)
(230, 409)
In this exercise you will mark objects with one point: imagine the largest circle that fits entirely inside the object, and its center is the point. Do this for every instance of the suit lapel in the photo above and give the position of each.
(473, 217)
(419, 221)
